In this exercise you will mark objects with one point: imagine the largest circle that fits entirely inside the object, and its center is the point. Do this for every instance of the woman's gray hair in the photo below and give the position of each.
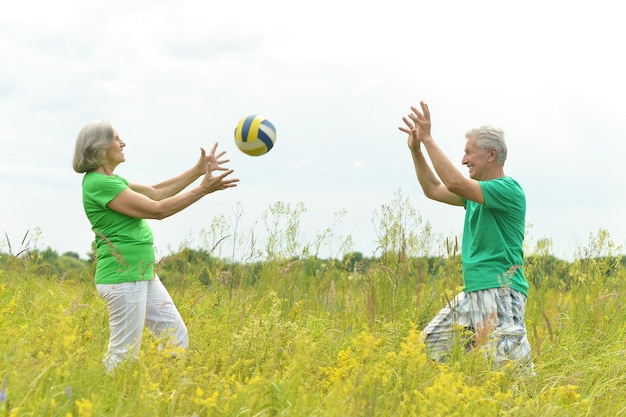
(92, 143)
(489, 137)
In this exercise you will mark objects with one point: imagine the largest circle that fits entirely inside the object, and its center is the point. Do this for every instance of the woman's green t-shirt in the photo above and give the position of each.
(124, 244)
(493, 236)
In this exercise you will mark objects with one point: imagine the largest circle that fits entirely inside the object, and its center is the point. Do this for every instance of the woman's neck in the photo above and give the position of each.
(105, 170)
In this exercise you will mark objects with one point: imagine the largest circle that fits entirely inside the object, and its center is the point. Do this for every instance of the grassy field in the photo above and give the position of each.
(303, 336)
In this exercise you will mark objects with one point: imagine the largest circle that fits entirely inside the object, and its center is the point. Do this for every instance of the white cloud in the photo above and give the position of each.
(173, 77)
(301, 163)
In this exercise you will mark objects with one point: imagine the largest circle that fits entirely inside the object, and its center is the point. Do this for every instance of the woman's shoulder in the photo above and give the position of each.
(97, 177)
(95, 182)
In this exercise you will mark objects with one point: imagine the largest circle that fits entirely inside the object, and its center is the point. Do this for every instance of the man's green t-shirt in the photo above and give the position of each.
(124, 244)
(493, 234)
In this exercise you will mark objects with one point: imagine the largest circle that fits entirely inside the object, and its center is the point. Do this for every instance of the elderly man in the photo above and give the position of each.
(493, 301)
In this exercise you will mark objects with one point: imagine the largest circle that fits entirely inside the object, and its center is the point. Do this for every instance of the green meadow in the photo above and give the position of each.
(282, 331)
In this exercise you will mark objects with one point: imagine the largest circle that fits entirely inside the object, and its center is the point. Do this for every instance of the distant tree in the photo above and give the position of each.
(72, 267)
(48, 256)
(351, 259)
(5, 259)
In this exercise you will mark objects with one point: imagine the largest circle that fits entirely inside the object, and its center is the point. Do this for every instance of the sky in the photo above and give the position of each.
(335, 78)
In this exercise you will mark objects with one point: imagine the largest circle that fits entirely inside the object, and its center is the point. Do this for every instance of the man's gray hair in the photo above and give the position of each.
(489, 137)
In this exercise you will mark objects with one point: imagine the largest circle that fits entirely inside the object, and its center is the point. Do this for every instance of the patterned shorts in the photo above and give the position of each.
(493, 319)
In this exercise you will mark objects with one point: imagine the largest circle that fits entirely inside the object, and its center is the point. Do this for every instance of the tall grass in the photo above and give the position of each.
(287, 333)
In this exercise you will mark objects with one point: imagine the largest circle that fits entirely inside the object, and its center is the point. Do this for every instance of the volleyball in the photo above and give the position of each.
(255, 135)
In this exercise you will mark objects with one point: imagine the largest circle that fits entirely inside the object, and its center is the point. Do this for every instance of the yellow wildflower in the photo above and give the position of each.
(85, 407)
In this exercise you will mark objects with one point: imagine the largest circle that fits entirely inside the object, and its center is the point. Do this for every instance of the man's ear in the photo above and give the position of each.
(493, 153)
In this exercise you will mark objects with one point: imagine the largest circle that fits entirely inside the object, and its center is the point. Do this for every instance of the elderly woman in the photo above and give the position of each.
(117, 209)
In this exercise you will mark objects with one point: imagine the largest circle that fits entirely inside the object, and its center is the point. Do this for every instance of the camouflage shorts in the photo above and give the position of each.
(493, 319)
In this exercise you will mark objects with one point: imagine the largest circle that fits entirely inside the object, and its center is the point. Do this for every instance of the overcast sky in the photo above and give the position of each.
(335, 78)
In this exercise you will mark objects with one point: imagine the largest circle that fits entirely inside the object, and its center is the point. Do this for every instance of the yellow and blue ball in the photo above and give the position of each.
(255, 135)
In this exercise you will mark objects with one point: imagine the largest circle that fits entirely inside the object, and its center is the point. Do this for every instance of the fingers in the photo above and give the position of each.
(225, 174)
(218, 165)
(417, 120)
(410, 126)
(220, 182)
(217, 182)
(218, 159)
(425, 110)
(416, 115)
(417, 123)
(221, 176)
(230, 183)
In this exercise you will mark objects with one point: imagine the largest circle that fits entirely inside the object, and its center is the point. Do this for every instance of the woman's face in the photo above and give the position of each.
(115, 153)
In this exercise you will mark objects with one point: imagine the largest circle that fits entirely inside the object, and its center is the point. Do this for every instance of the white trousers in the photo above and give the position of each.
(132, 306)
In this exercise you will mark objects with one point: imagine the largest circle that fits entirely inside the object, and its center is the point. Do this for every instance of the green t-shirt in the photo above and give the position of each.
(124, 244)
(493, 234)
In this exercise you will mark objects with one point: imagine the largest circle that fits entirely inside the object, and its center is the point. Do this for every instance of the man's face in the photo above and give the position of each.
(476, 159)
